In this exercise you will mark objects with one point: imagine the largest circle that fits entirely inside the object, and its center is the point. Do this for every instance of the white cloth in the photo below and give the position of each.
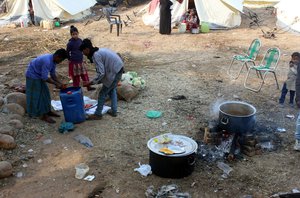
(57, 106)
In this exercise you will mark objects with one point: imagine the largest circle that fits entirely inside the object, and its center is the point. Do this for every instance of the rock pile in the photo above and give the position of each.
(13, 106)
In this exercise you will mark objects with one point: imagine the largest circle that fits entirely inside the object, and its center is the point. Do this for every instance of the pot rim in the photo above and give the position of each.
(239, 102)
(190, 140)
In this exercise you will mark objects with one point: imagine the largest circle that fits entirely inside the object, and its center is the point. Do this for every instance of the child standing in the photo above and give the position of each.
(290, 83)
(77, 69)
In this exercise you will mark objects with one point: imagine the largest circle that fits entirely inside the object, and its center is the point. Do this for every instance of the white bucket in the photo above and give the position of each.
(195, 30)
(47, 24)
(182, 28)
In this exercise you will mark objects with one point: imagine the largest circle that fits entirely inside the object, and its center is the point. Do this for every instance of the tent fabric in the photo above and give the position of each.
(211, 11)
(260, 3)
(288, 15)
(46, 10)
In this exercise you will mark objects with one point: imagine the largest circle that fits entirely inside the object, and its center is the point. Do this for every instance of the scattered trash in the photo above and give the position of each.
(169, 100)
(81, 170)
(19, 174)
(153, 114)
(247, 196)
(144, 169)
(30, 151)
(25, 165)
(267, 146)
(40, 161)
(89, 178)
(193, 184)
(178, 97)
(84, 140)
(290, 116)
(225, 167)
(164, 124)
(66, 127)
(6, 39)
(280, 130)
(22, 145)
(47, 141)
(295, 190)
(117, 190)
(236, 96)
(171, 190)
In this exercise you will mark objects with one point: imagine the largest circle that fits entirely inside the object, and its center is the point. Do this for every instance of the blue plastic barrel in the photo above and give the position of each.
(73, 104)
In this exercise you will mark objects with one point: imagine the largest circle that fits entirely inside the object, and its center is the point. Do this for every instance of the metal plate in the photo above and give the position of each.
(187, 144)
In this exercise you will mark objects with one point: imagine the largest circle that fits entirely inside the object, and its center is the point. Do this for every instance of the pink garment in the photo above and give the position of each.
(153, 5)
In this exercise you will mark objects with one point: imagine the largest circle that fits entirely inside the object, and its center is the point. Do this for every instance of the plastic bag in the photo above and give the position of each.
(144, 169)
(84, 140)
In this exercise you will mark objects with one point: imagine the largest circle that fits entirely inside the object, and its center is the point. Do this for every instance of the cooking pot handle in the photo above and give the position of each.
(224, 120)
(191, 160)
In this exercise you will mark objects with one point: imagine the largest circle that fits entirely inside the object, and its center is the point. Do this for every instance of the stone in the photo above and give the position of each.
(13, 108)
(2, 157)
(15, 117)
(8, 130)
(5, 169)
(1, 101)
(7, 142)
(17, 98)
(17, 124)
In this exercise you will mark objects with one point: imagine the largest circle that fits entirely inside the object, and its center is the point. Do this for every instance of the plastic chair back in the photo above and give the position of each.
(271, 58)
(254, 49)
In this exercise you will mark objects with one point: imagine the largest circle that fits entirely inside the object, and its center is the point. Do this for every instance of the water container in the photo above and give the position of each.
(73, 104)
(182, 28)
(204, 27)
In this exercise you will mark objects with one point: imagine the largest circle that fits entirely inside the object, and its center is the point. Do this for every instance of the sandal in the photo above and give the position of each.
(48, 119)
(94, 117)
(51, 113)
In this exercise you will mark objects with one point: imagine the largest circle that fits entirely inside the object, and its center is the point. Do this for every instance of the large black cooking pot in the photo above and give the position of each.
(177, 165)
(237, 117)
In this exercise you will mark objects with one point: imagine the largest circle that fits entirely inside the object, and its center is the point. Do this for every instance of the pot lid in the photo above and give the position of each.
(179, 145)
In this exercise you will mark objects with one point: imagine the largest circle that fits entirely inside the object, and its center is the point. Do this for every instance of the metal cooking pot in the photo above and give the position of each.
(176, 165)
(237, 117)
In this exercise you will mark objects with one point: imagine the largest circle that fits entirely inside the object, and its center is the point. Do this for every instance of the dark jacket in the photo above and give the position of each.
(73, 50)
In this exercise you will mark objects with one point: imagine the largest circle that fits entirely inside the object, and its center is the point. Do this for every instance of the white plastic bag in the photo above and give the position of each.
(144, 169)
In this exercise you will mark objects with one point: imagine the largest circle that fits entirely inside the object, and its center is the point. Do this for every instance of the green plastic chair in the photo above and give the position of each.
(268, 65)
(250, 57)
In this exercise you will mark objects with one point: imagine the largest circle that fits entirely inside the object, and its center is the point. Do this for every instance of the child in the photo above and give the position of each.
(289, 84)
(76, 66)
(192, 20)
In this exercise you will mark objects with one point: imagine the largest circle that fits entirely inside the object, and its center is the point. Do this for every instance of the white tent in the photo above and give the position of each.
(260, 3)
(46, 9)
(288, 15)
(218, 13)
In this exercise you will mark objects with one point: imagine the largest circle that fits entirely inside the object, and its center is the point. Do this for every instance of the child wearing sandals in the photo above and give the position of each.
(77, 68)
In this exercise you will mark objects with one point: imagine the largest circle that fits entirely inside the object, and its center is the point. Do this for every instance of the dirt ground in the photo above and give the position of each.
(193, 65)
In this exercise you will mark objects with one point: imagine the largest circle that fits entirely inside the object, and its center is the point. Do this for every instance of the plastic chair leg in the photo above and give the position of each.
(239, 72)
(110, 28)
(118, 29)
(276, 80)
(250, 88)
